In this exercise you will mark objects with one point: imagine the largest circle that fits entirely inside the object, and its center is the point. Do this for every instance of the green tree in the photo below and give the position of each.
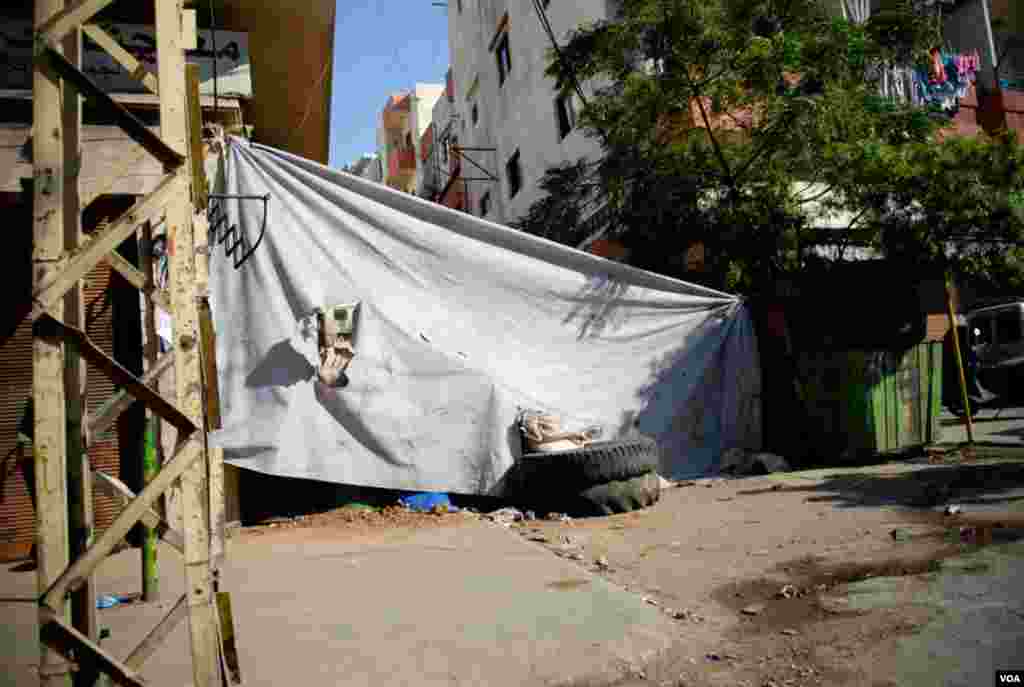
(721, 122)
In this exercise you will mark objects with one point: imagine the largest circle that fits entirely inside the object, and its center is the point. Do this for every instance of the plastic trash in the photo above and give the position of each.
(427, 501)
(107, 601)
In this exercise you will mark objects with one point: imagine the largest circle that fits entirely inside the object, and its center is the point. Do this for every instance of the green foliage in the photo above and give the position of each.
(711, 114)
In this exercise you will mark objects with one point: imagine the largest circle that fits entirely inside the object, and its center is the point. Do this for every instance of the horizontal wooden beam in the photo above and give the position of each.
(118, 491)
(131, 124)
(57, 634)
(135, 68)
(90, 253)
(74, 14)
(116, 373)
(107, 414)
(188, 452)
(158, 634)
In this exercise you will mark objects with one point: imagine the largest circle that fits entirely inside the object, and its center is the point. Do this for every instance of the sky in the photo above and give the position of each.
(380, 48)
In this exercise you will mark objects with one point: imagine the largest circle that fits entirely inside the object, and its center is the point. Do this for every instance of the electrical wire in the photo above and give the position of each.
(542, 15)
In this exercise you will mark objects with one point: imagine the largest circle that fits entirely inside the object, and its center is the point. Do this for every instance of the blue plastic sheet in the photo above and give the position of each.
(427, 501)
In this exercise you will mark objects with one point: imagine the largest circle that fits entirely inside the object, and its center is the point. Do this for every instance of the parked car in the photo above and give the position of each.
(996, 340)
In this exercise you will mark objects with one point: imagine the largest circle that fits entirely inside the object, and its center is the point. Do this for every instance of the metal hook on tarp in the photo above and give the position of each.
(231, 235)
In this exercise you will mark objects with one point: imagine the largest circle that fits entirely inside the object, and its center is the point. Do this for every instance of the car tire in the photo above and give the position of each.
(596, 463)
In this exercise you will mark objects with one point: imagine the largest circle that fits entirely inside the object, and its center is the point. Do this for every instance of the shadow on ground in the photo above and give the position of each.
(966, 484)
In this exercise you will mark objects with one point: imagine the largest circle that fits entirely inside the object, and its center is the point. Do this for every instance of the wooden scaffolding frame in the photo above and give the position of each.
(67, 553)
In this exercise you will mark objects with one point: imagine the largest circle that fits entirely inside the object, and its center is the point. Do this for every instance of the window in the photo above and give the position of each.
(474, 113)
(444, 150)
(459, 5)
(1008, 327)
(485, 204)
(408, 141)
(515, 175)
(565, 111)
(504, 58)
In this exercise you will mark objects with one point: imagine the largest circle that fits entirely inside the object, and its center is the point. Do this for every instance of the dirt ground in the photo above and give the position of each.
(754, 570)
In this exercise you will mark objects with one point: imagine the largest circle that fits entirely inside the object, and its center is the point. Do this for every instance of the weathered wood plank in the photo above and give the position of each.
(203, 628)
(131, 124)
(49, 399)
(57, 634)
(55, 27)
(158, 634)
(51, 289)
(119, 375)
(185, 456)
(105, 417)
(135, 68)
(118, 491)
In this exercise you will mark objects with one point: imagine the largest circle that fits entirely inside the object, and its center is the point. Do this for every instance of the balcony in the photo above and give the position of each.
(401, 162)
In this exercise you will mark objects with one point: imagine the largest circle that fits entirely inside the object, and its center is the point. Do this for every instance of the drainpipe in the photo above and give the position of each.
(992, 78)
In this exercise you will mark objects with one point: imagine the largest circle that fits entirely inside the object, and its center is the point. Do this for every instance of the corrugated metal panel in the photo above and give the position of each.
(17, 518)
(17, 522)
(104, 453)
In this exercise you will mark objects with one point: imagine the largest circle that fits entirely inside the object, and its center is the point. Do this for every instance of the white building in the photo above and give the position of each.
(403, 121)
(368, 166)
(511, 124)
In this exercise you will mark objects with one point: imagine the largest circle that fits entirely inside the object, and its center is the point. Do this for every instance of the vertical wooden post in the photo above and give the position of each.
(211, 410)
(188, 365)
(50, 429)
(959, 361)
(80, 512)
(151, 452)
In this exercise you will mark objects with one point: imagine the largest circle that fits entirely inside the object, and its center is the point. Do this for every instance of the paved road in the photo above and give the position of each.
(998, 426)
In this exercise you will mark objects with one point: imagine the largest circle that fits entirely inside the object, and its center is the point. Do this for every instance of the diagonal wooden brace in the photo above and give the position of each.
(186, 454)
(100, 421)
(118, 374)
(158, 634)
(136, 278)
(90, 253)
(57, 634)
(122, 56)
(74, 14)
(118, 491)
(131, 124)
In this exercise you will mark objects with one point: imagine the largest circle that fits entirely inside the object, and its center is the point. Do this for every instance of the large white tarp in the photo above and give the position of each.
(462, 321)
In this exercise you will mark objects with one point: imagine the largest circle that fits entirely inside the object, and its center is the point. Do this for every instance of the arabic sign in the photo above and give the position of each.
(232, 59)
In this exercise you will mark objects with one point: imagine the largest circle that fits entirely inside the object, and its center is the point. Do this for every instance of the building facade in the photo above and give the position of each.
(511, 124)
(367, 167)
(404, 119)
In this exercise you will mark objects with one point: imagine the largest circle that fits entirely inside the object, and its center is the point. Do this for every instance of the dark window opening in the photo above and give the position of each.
(485, 204)
(1008, 327)
(504, 58)
(566, 113)
(475, 114)
(515, 175)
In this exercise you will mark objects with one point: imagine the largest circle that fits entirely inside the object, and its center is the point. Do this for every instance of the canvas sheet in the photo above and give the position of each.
(461, 323)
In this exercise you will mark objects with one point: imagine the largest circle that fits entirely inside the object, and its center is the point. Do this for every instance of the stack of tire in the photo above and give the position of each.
(602, 478)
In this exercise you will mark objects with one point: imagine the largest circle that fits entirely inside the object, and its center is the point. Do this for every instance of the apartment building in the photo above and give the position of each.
(511, 124)
(404, 119)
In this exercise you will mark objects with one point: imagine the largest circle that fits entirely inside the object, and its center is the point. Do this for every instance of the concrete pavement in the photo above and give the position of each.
(468, 604)
(1002, 426)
